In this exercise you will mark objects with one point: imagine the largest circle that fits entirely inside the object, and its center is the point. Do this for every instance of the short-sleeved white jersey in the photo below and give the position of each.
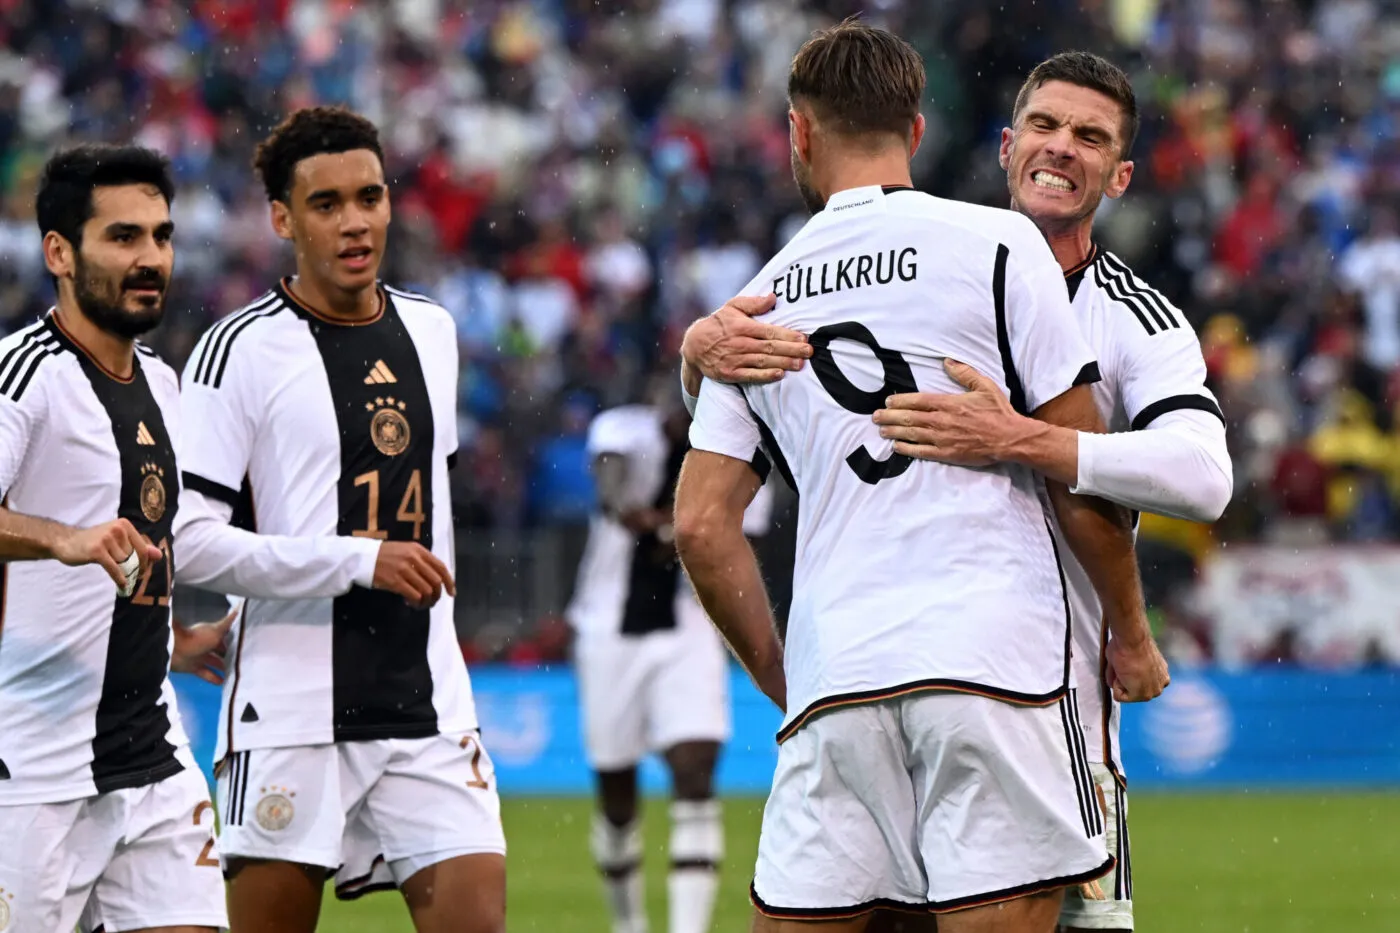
(910, 575)
(632, 584)
(1151, 365)
(335, 437)
(86, 705)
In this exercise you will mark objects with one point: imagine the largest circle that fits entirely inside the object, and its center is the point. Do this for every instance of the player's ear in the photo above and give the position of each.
(801, 134)
(1004, 154)
(1119, 179)
(281, 220)
(58, 254)
(918, 134)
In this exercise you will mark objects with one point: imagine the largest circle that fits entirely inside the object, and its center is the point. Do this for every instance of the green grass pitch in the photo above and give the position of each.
(1237, 863)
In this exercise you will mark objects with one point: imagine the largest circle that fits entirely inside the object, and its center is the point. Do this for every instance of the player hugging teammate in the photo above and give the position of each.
(1072, 131)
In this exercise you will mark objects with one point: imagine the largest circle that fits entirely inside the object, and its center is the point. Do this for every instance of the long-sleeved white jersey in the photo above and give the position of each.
(328, 438)
(86, 705)
(1169, 456)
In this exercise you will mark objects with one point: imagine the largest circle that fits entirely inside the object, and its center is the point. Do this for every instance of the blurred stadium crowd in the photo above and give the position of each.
(577, 180)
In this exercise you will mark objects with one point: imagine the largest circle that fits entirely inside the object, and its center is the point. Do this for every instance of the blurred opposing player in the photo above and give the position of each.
(930, 757)
(652, 672)
(105, 821)
(326, 413)
(1072, 130)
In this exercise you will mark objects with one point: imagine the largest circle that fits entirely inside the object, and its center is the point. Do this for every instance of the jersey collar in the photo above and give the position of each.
(1075, 276)
(70, 342)
(854, 198)
(284, 291)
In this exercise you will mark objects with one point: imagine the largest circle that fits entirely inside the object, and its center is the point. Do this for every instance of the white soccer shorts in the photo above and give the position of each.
(927, 802)
(125, 860)
(374, 813)
(1106, 904)
(647, 693)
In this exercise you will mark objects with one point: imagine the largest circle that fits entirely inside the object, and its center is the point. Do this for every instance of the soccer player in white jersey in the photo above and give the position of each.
(325, 414)
(1072, 129)
(930, 755)
(1075, 119)
(105, 820)
(653, 674)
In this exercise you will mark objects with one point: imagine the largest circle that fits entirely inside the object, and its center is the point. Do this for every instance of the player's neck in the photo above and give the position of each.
(334, 303)
(1071, 245)
(849, 172)
(113, 353)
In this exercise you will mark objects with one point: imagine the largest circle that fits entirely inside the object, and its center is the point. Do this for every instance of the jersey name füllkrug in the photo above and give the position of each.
(1151, 363)
(86, 705)
(333, 429)
(910, 575)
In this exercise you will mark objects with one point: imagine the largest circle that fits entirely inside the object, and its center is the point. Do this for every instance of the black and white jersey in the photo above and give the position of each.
(630, 584)
(329, 438)
(86, 705)
(909, 575)
(1152, 368)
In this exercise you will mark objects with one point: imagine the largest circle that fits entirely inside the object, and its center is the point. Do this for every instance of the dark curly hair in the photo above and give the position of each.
(64, 202)
(308, 132)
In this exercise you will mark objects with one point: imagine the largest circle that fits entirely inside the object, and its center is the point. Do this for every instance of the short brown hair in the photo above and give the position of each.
(308, 132)
(1084, 69)
(858, 79)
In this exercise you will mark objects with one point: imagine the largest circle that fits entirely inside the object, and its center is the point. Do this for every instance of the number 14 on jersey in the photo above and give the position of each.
(410, 507)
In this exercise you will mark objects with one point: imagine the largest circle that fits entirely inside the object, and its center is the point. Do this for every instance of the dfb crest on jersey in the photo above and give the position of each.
(275, 809)
(388, 427)
(152, 491)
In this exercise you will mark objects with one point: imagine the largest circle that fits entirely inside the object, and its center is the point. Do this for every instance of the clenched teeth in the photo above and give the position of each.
(1050, 180)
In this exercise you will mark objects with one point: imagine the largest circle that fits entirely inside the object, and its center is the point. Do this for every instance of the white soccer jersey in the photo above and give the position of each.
(334, 437)
(86, 705)
(633, 584)
(1151, 365)
(910, 575)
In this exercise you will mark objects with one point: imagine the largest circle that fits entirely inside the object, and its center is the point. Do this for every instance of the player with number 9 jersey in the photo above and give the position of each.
(916, 578)
(323, 419)
(930, 755)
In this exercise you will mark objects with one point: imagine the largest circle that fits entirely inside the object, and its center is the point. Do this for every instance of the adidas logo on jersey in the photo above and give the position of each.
(143, 435)
(380, 374)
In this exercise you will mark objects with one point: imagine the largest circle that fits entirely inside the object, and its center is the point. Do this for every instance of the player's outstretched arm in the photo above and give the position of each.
(1100, 534)
(215, 555)
(711, 496)
(1177, 466)
(729, 346)
(24, 537)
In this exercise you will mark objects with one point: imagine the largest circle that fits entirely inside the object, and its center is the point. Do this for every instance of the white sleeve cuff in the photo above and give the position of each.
(1083, 481)
(366, 553)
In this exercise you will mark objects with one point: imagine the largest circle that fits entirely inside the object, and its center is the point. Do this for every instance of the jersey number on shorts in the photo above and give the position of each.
(898, 377)
(204, 857)
(477, 779)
